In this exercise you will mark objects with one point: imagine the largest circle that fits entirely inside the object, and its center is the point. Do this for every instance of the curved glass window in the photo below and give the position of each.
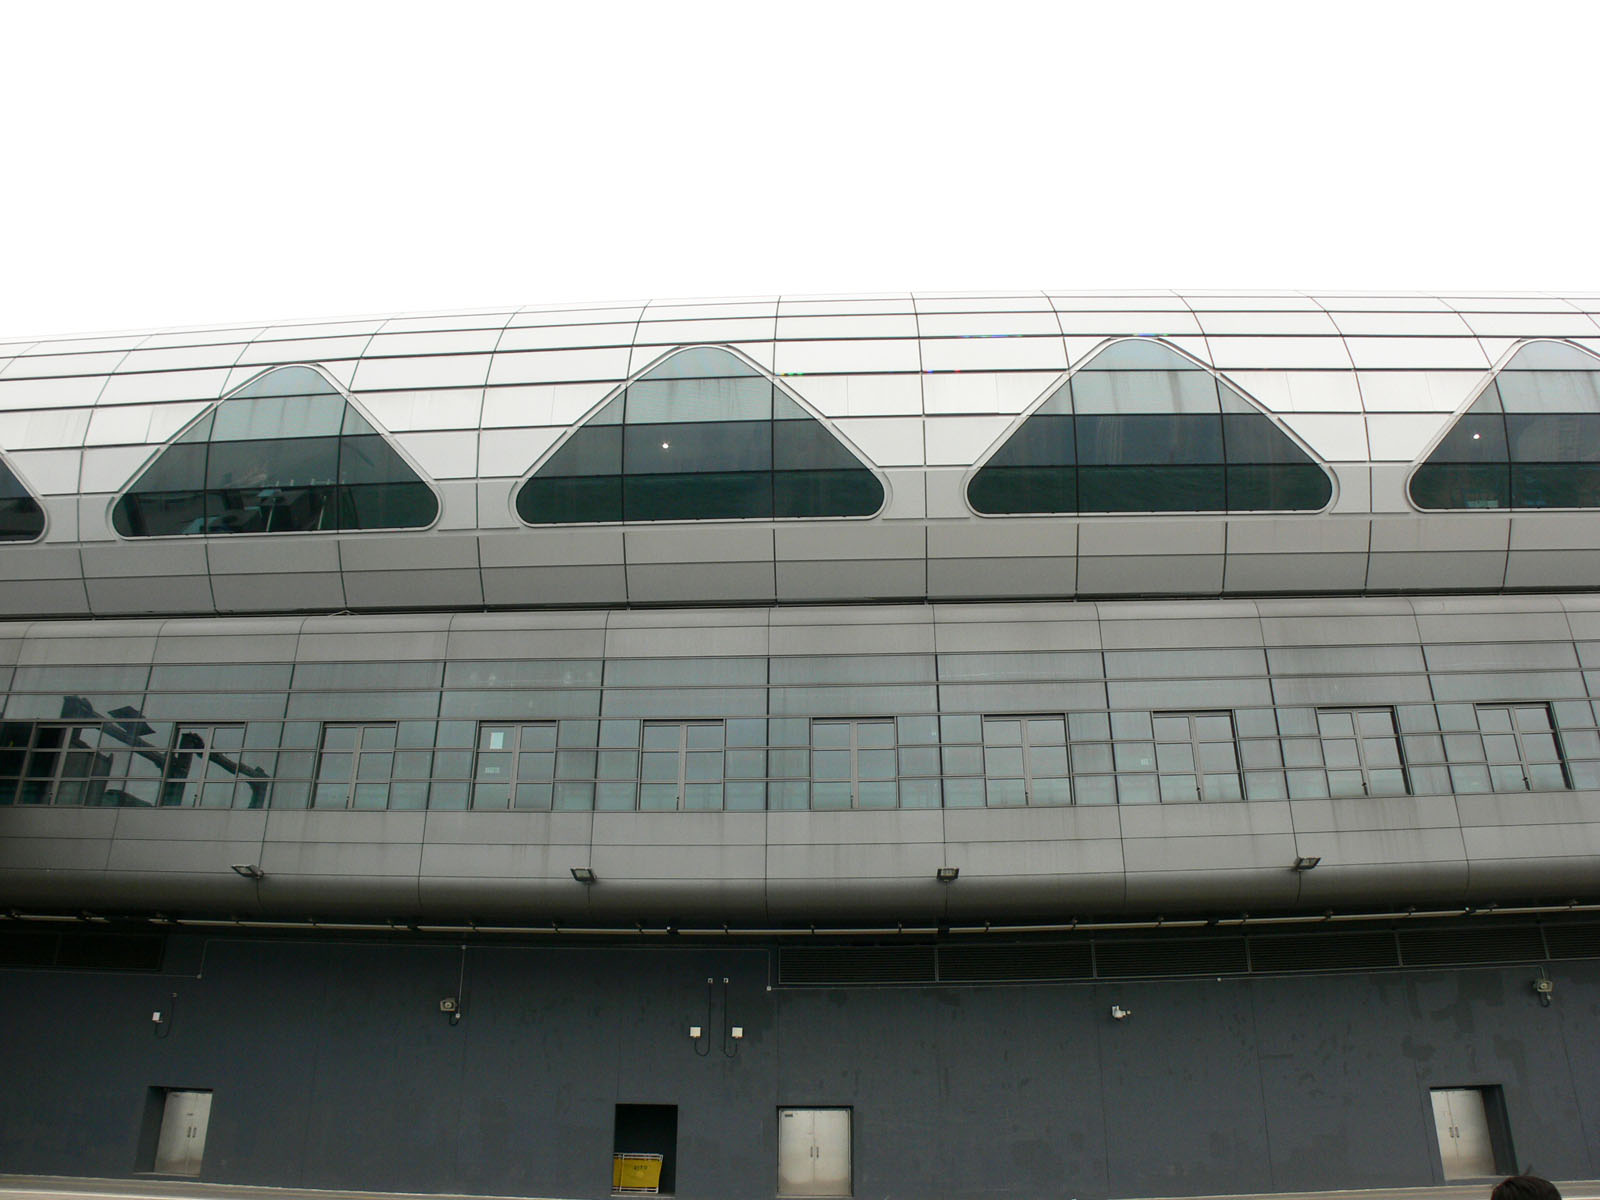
(21, 518)
(286, 453)
(702, 435)
(1141, 428)
(1530, 439)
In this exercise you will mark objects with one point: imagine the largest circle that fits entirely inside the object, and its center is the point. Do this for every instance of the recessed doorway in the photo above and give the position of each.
(814, 1152)
(1474, 1140)
(644, 1149)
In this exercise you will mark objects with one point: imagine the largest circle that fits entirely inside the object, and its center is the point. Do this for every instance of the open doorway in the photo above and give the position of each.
(644, 1149)
(1474, 1137)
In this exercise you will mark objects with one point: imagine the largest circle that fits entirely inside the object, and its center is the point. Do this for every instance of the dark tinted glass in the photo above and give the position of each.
(21, 518)
(1140, 428)
(855, 493)
(1530, 439)
(269, 459)
(703, 436)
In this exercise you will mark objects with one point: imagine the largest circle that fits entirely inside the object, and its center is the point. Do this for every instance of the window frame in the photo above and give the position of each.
(1523, 761)
(1364, 765)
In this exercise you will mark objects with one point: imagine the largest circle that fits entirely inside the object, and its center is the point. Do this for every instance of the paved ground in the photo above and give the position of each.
(42, 1187)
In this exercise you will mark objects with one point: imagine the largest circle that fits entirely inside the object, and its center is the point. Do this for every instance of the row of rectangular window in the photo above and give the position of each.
(1002, 760)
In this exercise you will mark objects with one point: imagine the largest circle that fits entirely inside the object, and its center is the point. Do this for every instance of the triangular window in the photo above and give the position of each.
(285, 453)
(701, 436)
(21, 518)
(1142, 428)
(1530, 439)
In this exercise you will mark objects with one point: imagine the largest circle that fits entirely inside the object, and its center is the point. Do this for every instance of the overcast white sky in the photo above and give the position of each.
(174, 163)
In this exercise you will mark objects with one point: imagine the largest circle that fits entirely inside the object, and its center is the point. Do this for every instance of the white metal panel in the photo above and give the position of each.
(1300, 391)
(1400, 436)
(50, 393)
(1305, 353)
(886, 441)
(444, 408)
(1247, 301)
(49, 472)
(541, 404)
(44, 429)
(511, 452)
(988, 324)
(983, 392)
(429, 322)
(1139, 322)
(958, 441)
(1418, 391)
(1392, 324)
(838, 305)
(822, 327)
(656, 332)
(994, 354)
(1277, 322)
(556, 314)
(447, 455)
(404, 374)
(1428, 354)
(1336, 436)
(560, 366)
(165, 385)
(267, 351)
(453, 341)
(804, 358)
(959, 302)
(178, 358)
(39, 366)
(567, 337)
(860, 395)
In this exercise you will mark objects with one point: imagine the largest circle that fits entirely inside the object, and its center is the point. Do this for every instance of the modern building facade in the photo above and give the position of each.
(1081, 745)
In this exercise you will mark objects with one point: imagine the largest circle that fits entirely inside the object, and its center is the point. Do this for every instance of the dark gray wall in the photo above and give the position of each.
(333, 1067)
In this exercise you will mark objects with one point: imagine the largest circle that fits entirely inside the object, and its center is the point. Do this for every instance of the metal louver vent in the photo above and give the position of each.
(1324, 951)
(999, 964)
(1573, 941)
(855, 964)
(1199, 956)
(1482, 944)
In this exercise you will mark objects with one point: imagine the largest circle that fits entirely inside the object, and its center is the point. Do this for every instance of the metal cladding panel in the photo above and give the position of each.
(923, 386)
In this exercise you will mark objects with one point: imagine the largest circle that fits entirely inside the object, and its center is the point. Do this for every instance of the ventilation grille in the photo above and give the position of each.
(1001, 964)
(1325, 952)
(856, 964)
(1573, 941)
(1200, 956)
(1178, 955)
(1439, 947)
(83, 951)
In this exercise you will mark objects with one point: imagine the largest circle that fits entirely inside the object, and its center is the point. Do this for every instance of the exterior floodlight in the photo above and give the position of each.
(250, 870)
(1306, 862)
(583, 874)
(947, 874)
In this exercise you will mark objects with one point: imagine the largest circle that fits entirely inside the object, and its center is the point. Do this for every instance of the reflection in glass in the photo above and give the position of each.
(1530, 439)
(1141, 428)
(702, 435)
(285, 453)
(21, 518)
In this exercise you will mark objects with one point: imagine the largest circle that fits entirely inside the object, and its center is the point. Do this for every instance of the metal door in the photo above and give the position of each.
(814, 1152)
(1465, 1147)
(183, 1133)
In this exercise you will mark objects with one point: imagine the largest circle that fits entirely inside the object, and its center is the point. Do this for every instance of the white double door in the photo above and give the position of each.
(183, 1133)
(814, 1152)
(1465, 1147)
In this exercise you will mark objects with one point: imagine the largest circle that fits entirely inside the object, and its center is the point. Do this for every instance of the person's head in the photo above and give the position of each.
(1525, 1187)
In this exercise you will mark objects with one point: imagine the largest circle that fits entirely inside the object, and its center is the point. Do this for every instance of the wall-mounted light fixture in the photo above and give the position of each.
(1306, 862)
(583, 874)
(249, 870)
(1118, 1013)
(947, 874)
